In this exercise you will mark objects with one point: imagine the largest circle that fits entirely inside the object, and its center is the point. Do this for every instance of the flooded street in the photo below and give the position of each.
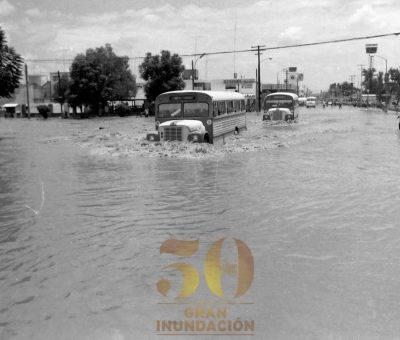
(85, 206)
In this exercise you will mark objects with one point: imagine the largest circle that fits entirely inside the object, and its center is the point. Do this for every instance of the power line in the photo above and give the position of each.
(302, 45)
(248, 50)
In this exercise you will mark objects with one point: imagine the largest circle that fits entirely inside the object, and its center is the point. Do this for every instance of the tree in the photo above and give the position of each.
(163, 73)
(335, 90)
(60, 89)
(370, 83)
(100, 76)
(347, 88)
(10, 68)
(379, 89)
(394, 84)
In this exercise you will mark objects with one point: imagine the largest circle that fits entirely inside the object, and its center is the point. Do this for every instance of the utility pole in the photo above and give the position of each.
(194, 67)
(192, 75)
(258, 95)
(27, 90)
(361, 66)
(59, 92)
(286, 79)
(352, 77)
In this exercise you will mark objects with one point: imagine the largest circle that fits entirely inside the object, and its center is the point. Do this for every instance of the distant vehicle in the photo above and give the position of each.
(12, 110)
(368, 100)
(311, 102)
(135, 106)
(302, 101)
(198, 116)
(281, 106)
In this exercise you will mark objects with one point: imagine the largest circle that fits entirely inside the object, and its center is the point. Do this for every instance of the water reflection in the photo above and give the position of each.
(12, 192)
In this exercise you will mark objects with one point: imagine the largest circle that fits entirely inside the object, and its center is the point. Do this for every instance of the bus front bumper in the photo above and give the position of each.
(192, 137)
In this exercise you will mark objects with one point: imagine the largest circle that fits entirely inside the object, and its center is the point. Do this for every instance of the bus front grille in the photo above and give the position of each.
(277, 115)
(173, 133)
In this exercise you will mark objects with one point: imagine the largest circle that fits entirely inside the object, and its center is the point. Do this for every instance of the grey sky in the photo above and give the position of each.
(49, 29)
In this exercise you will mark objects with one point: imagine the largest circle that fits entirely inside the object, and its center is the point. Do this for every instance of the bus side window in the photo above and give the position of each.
(221, 108)
(215, 104)
(230, 106)
(237, 106)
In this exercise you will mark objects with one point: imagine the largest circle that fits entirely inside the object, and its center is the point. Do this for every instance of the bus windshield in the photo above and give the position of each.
(278, 101)
(190, 110)
(195, 109)
(170, 110)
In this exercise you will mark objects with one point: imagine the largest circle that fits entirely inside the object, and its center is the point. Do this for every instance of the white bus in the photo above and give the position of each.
(281, 106)
(198, 116)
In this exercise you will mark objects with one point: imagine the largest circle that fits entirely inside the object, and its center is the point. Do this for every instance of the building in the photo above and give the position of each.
(272, 88)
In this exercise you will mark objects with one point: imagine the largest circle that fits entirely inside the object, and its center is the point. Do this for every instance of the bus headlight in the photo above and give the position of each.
(194, 138)
(152, 137)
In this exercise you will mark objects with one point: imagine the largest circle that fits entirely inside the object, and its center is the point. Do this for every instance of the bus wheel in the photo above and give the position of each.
(206, 139)
(236, 130)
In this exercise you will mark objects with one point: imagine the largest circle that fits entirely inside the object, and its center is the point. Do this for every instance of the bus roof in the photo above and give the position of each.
(290, 94)
(216, 95)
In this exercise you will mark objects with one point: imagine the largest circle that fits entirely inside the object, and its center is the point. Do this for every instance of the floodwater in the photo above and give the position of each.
(86, 205)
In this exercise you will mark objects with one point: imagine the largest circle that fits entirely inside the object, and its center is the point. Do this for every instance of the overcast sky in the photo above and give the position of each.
(60, 29)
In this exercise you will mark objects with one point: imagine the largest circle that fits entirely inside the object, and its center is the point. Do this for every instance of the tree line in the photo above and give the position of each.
(382, 84)
(98, 76)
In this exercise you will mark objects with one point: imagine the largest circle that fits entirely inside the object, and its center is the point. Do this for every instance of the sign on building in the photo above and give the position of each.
(231, 84)
(248, 83)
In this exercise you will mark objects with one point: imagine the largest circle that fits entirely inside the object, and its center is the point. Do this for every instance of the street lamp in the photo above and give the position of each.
(269, 58)
(383, 59)
(194, 67)
(386, 76)
(385, 64)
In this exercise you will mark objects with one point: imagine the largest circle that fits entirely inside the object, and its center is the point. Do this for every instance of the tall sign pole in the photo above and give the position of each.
(370, 49)
(27, 90)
